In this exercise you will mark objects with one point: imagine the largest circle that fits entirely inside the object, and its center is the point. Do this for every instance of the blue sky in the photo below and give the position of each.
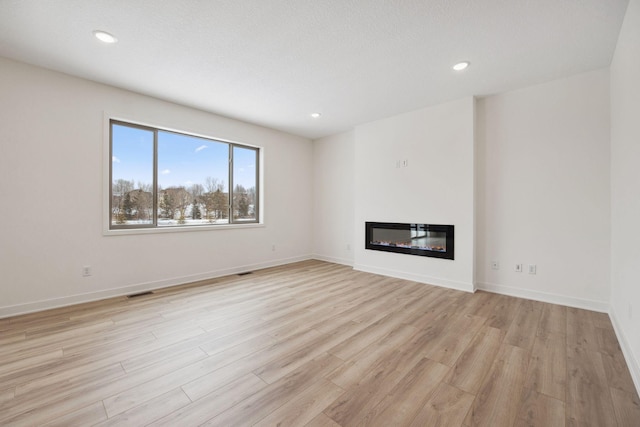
(182, 160)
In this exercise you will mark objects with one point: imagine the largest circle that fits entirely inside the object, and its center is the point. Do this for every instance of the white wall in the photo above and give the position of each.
(333, 198)
(625, 189)
(51, 165)
(543, 191)
(435, 188)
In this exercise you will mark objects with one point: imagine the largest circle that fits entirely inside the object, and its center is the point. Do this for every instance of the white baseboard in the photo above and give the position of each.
(343, 261)
(451, 284)
(41, 305)
(600, 306)
(632, 362)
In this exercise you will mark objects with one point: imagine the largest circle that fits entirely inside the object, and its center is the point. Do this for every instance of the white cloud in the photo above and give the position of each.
(188, 183)
(114, 159)
(165, 172)
(202, 147)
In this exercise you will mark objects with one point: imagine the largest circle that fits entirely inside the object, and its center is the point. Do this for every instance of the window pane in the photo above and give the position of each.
(131, 176)
(245, 201)
(192, 180)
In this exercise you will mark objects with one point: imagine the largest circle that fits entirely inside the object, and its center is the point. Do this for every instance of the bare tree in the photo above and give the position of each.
(177, 198)
(148, 187)
(122, 186)
(220, 204)
(213, 199)
(119, 190)
(212, 184)
(196, 190)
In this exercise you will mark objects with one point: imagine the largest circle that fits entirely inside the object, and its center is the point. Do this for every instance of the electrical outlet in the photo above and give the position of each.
(533, 269)
(495, 265)
(273, 248)
(348, 247)
(518, 268)
(86, 271)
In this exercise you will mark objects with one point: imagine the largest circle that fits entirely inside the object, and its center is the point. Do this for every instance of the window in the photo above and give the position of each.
(163, 179)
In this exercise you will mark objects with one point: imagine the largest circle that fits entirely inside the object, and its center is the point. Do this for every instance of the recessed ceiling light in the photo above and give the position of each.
(105, 37)
(461, 65)
(315, 115)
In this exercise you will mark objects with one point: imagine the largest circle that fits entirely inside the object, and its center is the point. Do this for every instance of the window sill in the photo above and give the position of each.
(178, 229)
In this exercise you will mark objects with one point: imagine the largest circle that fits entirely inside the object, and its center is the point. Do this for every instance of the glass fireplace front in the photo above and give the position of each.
(414, 239)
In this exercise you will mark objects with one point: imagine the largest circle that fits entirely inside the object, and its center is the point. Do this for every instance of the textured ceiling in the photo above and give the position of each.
(272, 62)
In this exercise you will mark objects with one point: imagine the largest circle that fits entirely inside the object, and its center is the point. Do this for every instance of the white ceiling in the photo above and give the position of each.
(272, 62)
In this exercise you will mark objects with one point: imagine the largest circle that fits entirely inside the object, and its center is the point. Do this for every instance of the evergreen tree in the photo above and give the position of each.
(243, 206)
(127, 206)
(195, 210)
(167, 208)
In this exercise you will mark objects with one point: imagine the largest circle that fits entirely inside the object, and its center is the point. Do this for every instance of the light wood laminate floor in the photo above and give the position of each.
(314, 344)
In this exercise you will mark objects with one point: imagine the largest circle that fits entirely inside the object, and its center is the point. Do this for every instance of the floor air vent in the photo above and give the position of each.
(140, 294)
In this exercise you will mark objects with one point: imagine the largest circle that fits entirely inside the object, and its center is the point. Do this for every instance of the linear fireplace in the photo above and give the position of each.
(414, 239)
